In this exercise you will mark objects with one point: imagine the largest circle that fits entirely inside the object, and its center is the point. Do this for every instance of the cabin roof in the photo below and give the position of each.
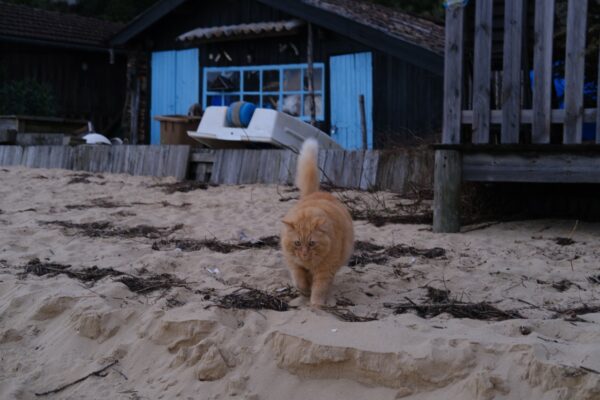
(401, 25)
(32, 25)
(401, 34)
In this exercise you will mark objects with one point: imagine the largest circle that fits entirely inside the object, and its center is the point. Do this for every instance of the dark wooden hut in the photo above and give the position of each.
(69, 54)
(215, 53)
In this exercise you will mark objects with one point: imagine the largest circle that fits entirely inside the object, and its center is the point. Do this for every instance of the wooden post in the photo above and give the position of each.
(309, 76)
(574, 70)
(446, 191)
(511, 76)
(598, 104)
(363, 121)
(453, 74)
(542, 70)
(482, 71)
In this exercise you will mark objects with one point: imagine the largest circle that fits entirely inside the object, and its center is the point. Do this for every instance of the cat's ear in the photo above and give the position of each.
(288, 223)
(320, 224)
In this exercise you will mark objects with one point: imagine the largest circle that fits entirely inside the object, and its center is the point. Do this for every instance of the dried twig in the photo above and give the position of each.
(95, 373)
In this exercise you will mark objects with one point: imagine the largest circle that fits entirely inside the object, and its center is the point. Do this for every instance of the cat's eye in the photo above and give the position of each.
(297, 243)
(311, 243)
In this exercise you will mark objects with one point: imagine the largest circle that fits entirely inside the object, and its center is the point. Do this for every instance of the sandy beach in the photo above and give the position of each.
(113, 273)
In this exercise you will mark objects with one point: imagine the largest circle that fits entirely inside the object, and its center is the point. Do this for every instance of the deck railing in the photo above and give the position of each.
(511, 116)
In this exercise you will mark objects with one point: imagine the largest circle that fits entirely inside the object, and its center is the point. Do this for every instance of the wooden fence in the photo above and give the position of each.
(512, 115)
(170, 160)
(398, 171)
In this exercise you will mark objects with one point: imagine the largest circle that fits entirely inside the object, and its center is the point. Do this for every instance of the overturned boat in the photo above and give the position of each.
(241, 125)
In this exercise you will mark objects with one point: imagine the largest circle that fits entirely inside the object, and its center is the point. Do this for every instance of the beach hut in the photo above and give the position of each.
(366, 74)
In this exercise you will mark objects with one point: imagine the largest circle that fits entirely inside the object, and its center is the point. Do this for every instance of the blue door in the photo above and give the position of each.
(350, 76)
(175, 85)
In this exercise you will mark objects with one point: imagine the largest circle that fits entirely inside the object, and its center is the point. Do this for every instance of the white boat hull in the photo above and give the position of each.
(267, 127)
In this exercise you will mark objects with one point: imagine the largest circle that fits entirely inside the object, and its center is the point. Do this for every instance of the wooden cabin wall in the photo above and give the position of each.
(407, 100)
(95, 91)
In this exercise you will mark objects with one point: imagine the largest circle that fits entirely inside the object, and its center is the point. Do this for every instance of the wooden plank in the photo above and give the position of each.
(598, 104)
(511, 75)
(453, 74)
(557, 116)
(542, 70)
(215, 177)
(269, 164)
(231, 167)
(574, 70)
(368, 176)
(532, 167)
(287, 168)
(11, 155)
(482, 71)
(179, 161)
(363, 121)
(333, 166)
(250, 160)
(446, 191)
(392, 170)
(352, 169)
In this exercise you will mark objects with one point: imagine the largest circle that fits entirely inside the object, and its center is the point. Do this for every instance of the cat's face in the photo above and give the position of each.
(306, 240)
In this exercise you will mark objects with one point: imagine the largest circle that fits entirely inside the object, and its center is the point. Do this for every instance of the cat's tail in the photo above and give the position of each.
(307, 174)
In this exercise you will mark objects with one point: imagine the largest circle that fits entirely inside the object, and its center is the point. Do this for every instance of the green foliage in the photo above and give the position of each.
(26, 97)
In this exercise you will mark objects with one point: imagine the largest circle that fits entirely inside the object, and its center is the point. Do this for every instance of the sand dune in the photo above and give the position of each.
(180, 343)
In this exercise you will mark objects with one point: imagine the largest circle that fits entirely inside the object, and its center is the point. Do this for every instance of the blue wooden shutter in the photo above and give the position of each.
(175, 85)
(350, 76)
(187, 80)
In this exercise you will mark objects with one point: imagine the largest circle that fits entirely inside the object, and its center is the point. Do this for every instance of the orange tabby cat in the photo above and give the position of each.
(317, 237)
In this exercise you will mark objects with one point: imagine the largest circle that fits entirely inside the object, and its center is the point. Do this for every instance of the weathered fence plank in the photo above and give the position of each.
(542, 70)
(352, 169)
(11, 155)
(368, 176)
(598, 104)
(511, 75)
(574, 70)
(482, 71)
(453, 74)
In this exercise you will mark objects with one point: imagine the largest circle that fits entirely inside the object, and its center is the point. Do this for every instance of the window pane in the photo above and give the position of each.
(291, 79)
(231, 98)
(254, 99)
(318, 106)
(252, 81)
(227, 81)
(270, 102)
(317, 79)
(291, 104)
(214, 100)
(270, 81)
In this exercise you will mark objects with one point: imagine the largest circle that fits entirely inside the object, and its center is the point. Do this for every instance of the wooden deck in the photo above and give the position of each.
(524, 149)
